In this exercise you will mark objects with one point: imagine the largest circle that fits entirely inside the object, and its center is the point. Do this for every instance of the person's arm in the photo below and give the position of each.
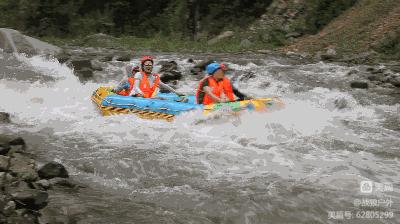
(208, 90)
(121, 86)
(239, 94)
(165, 86)
(136, 86)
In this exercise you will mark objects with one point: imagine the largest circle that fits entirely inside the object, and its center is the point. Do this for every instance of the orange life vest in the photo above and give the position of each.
(223, 86)
(148, 91)
(125, 92)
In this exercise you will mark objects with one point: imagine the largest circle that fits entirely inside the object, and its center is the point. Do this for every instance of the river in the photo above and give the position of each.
(301, 164)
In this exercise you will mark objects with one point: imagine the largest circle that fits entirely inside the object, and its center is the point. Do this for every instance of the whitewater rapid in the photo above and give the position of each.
(327, 139)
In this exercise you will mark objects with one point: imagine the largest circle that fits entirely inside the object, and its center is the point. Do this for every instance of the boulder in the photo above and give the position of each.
(4, 163)
(330, 54)
(65, 182)
(30, 198)
(123, 57)
(22, 220)
(220, 37)
(9, 208)
(168, 66)
(51, 170)
(23, 167)
(13, 41)
(4, 148)
(246, 43)
(171, 76)
(4, 117)
(395, 81)
(80, 63)
(17, 141)
(359, 85)
(63, 57)
(96, 65)
(44, 184)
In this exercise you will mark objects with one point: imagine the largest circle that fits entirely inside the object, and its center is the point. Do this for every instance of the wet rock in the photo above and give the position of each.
(190, 60)
(17, 141)
(124, 57)
(13, 41)
(374, 70)
(62, 182)
(106, 58)
(6, 178)
(30, 198)
(222, 36)
(171, 76)
(246, 43)
(21, 220)
(264, 85)
(359, 85)
(84, 74)
(168, 66)
(3, 218)
(80, 64)
(247, 76)
(63, 57)
(23, 167)
(200, 67)
(4, 163)
(352, 72)
(4, 148)
(395, 81)
(341, 103)
(51, 170)
(96, 65)
(9, 208)
(44, 184)
(4, 117)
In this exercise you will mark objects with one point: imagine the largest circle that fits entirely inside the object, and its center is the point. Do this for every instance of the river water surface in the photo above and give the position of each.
(301, 164)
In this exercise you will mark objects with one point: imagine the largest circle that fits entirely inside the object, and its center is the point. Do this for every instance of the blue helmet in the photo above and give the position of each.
(211, 68)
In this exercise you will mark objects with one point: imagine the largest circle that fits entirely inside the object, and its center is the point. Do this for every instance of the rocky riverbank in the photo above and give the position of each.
(24, 185)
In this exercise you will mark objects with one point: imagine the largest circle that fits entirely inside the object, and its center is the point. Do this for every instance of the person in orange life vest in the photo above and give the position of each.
(125, 86)
(215, 84)
(146, 84)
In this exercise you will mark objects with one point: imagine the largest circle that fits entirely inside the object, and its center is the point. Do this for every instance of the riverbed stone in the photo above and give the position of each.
(23, 167)
(4, 148)
(17, 141)
(30, 198)
(168, 66)
(21, 220)
(9, 208)
(43, 183)
(4, 117)
(359, 85)
(395, 81)
(51, 170)
(4, 163)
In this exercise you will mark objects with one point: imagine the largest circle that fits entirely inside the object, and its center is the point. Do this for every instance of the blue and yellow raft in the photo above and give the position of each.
(169, 105)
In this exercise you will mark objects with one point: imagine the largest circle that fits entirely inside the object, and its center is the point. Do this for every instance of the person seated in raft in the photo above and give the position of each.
(142, 82)
(215, 84)
(126, 85)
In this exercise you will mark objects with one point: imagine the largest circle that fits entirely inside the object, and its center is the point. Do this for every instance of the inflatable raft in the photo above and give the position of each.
(168, 105)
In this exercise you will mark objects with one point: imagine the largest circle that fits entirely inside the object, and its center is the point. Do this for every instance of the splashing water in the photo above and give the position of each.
(239, 169)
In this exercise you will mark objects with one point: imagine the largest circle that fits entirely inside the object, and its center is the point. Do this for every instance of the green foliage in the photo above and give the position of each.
(320, 12)
(141, 18)
(390, 45)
